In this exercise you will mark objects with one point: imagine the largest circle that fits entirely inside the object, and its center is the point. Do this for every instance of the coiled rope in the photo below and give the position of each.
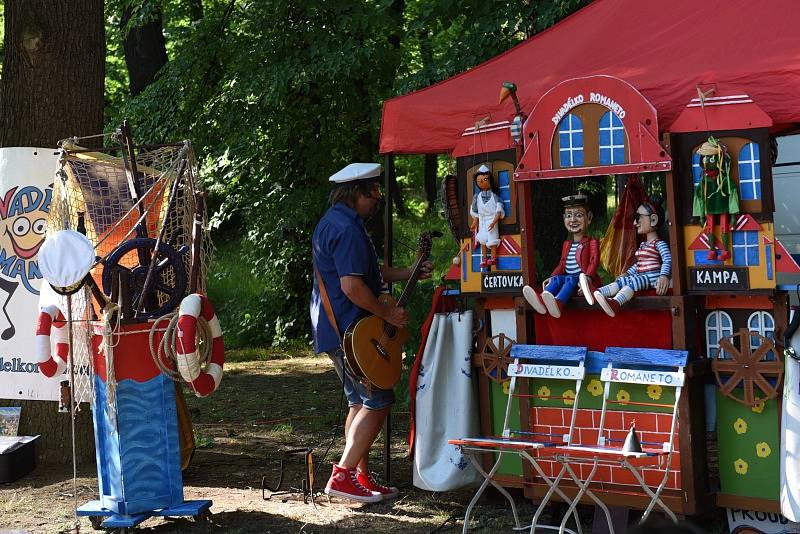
(165, 351)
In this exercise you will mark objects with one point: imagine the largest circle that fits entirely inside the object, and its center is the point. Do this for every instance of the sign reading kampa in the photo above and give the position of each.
(502, 282)
(26, 175)
(718, 278)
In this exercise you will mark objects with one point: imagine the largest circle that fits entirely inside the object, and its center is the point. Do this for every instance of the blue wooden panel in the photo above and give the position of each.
(509, 263)
(548, 352)
(636, 357)
(138, 446)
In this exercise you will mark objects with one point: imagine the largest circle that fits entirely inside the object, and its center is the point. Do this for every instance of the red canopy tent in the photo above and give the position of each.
(664, 49)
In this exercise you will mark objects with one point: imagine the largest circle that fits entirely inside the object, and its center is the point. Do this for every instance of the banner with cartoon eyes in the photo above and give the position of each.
(26, 178)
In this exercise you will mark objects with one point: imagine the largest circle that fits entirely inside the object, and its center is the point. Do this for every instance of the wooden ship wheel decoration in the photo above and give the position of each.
(748, 368)
(495, 357)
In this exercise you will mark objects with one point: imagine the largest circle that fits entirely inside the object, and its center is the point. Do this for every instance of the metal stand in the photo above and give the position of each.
(306, 485)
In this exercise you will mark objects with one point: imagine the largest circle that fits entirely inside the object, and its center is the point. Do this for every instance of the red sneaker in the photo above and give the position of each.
(344, 483)
(369, 481)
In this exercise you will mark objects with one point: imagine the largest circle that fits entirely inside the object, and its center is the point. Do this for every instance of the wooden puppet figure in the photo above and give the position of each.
(652, 268)
(486, 212)
(580, 256)
(715, 194)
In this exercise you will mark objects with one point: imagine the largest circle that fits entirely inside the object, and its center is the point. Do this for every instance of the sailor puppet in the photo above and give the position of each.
(580, 254)
(486, 211)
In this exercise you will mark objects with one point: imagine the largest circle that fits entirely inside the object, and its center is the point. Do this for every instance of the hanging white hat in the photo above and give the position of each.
(66, 258)
(357, 171)
(483, 169)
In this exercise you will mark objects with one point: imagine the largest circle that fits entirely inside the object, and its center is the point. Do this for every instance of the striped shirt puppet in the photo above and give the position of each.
(653, 265)
(580, 256)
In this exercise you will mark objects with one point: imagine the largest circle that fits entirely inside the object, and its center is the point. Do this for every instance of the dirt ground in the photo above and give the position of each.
(264, 406)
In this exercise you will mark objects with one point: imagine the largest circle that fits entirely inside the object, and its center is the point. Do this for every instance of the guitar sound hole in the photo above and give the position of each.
(390, 331)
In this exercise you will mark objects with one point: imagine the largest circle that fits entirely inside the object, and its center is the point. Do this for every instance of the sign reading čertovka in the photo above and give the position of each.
(26, 177)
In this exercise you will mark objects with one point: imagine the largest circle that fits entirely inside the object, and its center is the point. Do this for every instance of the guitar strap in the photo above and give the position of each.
(326, 303)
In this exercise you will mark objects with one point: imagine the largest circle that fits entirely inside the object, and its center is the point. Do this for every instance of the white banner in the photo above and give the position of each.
(26, 177)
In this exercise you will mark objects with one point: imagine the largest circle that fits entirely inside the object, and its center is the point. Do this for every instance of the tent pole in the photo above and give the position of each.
(388, 250)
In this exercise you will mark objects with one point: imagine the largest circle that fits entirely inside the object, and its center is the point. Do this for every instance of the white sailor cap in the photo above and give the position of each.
(65, 258)
(483, 169)
(357, 171)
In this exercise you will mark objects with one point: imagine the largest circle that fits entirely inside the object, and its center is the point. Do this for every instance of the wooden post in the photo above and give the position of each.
(388, 177)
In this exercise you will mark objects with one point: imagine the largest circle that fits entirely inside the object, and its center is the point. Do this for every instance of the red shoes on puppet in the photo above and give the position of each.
(610, 306)
(488, 261)
(357, 486)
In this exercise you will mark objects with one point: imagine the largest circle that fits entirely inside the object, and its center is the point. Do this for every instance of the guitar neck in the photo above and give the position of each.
(412, 282)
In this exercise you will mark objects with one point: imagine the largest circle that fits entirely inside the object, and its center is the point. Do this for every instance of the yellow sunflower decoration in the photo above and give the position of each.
(595, 387)
(544, 393)
(740, 426)
(623, 396)
(654, 391)
(759, 407)
(740, 466)
(763, 449)
(569, 397)
(506, 386)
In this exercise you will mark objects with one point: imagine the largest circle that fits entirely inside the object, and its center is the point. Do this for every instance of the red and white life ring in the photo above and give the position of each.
(188, 359)
(51, 318)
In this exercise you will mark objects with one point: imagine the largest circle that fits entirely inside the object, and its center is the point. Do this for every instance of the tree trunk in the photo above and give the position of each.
(52, 88)
(54, 71)
(145, 50)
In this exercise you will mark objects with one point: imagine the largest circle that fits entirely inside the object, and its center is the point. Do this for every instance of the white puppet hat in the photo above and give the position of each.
(483, 169)
(65, 258)
(357, 171)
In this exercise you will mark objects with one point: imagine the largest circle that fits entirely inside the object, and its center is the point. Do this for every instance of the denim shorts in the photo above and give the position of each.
(355, 391)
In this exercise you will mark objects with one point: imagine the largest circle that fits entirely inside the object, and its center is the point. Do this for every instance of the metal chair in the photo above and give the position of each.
(663, 368)
(529, 361)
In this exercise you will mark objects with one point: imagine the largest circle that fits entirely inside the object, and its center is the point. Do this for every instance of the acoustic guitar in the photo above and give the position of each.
(373, 348)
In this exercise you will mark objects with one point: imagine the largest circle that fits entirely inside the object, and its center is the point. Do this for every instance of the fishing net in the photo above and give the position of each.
(140, 216)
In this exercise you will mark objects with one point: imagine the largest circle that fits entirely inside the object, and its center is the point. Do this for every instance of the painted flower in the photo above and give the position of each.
(759, 407)
(506, 386)
(595, 387)
(740, 466)
(569, 397)
(740, 426)
(654, 391)
(623, 396)
(763, 450)
(544, 393)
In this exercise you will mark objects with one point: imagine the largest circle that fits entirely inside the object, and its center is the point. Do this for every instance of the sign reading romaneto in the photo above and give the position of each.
(26, 177)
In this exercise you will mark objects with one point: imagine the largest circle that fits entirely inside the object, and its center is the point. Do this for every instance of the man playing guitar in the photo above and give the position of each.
(346, 266)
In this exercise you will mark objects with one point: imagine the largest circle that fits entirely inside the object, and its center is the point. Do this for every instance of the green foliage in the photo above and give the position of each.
(276, 96)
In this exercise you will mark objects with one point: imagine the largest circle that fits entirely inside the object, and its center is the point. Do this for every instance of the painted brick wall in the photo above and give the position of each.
(652, 428)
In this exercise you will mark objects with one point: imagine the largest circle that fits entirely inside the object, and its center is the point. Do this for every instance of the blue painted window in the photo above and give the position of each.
(749, 172)
(761, 322)
(745, 248)
(612, 140)
(509, 263)
(570, 141)
(476, 259)
(697, 172)
(701, 258)
(504, 190)
(718, 326)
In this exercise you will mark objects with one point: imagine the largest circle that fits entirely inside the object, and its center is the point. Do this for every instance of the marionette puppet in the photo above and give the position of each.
(715, 194)
(486, 212)
(580, 256)
(652, 267)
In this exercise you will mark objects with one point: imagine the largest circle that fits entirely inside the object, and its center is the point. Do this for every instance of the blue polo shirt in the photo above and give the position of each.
(341, 247)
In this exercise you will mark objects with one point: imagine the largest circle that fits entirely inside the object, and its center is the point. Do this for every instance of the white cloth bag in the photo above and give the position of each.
(446, 405)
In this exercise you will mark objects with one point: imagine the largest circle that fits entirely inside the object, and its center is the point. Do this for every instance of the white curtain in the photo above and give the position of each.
(446, 405)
